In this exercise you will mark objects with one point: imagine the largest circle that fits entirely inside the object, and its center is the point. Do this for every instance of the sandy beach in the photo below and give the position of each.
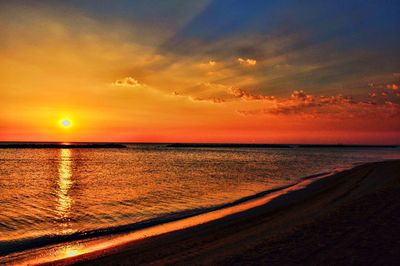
(351, 217)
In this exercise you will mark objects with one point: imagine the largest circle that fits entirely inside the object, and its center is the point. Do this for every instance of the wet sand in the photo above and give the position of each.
(352, 217)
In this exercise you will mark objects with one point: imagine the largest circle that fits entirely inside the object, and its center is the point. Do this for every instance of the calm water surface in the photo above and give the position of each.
(61, 192)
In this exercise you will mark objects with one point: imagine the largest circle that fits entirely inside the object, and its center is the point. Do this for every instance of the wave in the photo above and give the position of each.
(9, 247)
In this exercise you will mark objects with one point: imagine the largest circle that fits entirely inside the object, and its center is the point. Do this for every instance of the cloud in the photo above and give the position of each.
(205, 65)
(393, 87)
(300, 95)
(127, 82)
(208, 99)
(337, 106)
(219, 93)
(240, 93)
(299, 102)
(247, 62)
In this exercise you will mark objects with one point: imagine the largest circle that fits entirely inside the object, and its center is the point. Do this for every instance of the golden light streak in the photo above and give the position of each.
(64, 184)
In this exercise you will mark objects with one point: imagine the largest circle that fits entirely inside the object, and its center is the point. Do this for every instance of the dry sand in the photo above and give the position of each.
(352, 217)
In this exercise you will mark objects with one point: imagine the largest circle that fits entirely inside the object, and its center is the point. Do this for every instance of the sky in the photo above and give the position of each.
(259, 71)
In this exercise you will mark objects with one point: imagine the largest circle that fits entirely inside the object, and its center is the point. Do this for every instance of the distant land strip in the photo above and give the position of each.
(226, 145)
(61, 145)
(286, 146)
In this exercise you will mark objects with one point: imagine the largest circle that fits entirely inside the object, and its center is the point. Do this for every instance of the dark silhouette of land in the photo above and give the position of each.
(61, 145)
(286, 146)
(104, 145)
(226, 145)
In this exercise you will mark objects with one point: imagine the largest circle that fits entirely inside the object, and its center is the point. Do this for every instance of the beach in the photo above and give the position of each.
(351, 217)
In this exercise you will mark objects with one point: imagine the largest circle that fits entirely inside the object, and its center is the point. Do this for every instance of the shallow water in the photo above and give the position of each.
(52, 193)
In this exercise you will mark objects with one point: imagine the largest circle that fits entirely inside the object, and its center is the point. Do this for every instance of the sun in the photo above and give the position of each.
(65, 123)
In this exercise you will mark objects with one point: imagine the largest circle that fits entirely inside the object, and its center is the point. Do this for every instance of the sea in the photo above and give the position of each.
(56, 195)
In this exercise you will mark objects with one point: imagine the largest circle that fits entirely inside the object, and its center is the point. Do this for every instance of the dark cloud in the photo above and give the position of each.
(339, 106)
(325, 44)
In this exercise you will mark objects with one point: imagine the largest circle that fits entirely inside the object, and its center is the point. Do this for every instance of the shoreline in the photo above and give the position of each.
(122, 248)
(94, 241)
(25, 245)
(242, 237)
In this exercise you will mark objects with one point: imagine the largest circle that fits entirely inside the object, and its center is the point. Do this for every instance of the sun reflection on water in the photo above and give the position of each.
(64, 183)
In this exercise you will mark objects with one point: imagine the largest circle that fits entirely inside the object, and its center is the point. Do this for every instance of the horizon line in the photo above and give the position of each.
(205, 143)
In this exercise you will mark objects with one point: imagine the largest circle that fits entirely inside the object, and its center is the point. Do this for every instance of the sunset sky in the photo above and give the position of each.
(260, 71)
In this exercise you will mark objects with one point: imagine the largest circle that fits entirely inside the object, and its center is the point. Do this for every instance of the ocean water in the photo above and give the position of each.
(55, 195)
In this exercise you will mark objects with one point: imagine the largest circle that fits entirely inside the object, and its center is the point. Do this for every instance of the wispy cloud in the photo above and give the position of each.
(220, 93)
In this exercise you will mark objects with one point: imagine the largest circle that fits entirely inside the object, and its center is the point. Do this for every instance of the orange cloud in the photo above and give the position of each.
(247, 62)
(393, 87)
(219, 93)
(240, 93)
(339, 106)
(127, 82)
(208, 99)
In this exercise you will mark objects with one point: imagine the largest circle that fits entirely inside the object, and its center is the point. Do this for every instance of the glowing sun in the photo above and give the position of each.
(65, 123)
